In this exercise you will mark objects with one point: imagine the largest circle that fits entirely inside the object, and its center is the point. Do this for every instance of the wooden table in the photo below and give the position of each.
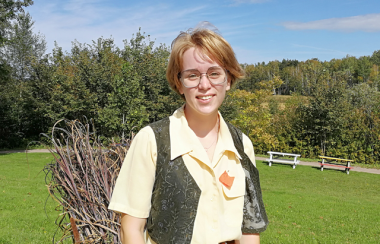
(277, 158)
(336, 162)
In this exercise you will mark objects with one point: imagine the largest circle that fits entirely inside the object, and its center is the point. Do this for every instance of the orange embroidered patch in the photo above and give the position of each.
(226, 180)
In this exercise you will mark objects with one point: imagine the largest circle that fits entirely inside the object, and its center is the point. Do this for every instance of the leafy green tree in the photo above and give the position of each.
(253, 75)
(366, 101)
(363, 69)
(124, 111)
(100, 81)
(150, 64)
(323, 119)
(252, 117)
(7, 119)
(286, 124)
(375, 58)
(291, 76)
(76, 84)
(23, 45)
(8, 11)
(374, 77)
(18, 47)
(348, 66)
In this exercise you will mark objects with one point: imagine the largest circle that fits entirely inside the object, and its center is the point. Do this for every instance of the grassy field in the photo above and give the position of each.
(304, 205)
(27, 213)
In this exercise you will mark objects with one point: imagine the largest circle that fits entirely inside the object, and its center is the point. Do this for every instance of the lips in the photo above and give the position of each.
(204, 98)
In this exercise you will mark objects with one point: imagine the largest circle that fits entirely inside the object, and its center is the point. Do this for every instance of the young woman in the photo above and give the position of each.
(191, 178)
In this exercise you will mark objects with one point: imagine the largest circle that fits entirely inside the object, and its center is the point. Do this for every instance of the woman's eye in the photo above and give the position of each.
(192, 76)
(214, 74)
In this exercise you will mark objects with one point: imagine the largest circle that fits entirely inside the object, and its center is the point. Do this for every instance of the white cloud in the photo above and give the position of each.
(367, 23)
(87, 20)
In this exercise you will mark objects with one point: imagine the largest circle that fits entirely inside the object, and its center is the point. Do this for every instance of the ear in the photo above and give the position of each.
(180, 90)
(228, 87)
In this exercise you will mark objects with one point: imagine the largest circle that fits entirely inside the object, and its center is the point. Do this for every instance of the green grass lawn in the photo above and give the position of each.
(24, 217)
(304, 205)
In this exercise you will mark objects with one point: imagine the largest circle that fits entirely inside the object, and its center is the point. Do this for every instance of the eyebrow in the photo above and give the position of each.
(199, 71)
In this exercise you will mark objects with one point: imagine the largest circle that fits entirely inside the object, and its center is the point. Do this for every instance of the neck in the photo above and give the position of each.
(201, 124)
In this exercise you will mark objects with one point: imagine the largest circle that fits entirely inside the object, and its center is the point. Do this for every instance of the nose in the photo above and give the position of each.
(204, 82)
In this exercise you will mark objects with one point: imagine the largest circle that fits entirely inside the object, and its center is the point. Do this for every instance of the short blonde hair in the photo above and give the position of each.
(210, 45)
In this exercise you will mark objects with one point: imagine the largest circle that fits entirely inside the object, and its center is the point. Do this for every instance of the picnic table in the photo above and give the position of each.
(336, 162)
(278, 157)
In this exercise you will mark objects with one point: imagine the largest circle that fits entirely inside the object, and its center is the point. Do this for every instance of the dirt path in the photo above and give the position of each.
(29, 151)
(312, 164)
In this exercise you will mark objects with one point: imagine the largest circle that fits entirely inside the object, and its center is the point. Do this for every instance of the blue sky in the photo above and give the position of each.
(258, 30)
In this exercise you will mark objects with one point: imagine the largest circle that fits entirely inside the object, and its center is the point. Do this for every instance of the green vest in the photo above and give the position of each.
(175, 195)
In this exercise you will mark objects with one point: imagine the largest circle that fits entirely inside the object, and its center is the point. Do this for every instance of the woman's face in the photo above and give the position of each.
(206, 98)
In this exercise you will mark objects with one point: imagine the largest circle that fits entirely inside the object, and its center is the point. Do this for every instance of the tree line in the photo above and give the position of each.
(330, 108)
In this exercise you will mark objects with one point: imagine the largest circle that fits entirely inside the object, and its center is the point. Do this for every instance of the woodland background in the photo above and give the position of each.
(309, 107)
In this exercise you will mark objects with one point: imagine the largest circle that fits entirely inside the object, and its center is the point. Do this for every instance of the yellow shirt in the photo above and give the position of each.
(220, 210)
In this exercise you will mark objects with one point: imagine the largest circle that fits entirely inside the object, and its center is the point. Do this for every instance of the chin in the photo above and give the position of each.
(208, 110)
(203, 109)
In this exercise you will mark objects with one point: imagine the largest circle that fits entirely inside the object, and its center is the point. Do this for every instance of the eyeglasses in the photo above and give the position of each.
(191, 78)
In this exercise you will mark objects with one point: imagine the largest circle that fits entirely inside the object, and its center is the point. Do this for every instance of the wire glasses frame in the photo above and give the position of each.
(215, 74)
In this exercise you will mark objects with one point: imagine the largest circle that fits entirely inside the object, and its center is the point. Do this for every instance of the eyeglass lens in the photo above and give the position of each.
(191, 78)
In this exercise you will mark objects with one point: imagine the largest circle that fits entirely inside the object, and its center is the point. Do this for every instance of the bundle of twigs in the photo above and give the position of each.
(81, 179)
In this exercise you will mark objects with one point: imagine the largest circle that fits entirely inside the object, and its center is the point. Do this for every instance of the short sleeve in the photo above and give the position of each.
(248, 149)
(133, 189)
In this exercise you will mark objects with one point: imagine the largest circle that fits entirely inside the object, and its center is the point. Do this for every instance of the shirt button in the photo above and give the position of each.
(211, 199)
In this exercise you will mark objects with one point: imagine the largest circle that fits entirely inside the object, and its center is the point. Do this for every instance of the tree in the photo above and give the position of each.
(365, 121)
(8, 11)
(124, 111)
(6, 119)
(150, 64)
(252, 117)
(374, 77)
(324, 118)
(363, 69)
(375, 58)
(23, 45)
(15, 35)
(92, 81)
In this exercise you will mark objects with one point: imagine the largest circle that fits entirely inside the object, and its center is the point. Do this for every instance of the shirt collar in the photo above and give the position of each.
(226, 139)
(183, 140)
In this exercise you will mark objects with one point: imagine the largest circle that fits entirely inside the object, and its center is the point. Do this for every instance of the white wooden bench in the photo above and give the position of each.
(276, 157)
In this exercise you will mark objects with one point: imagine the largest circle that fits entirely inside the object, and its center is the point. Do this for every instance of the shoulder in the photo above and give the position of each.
(248, 148)
(247, 143)
(145, 134)
(144, 144)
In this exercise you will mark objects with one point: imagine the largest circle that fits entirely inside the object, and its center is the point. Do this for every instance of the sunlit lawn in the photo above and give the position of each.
(304, 205)
(27, 213)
